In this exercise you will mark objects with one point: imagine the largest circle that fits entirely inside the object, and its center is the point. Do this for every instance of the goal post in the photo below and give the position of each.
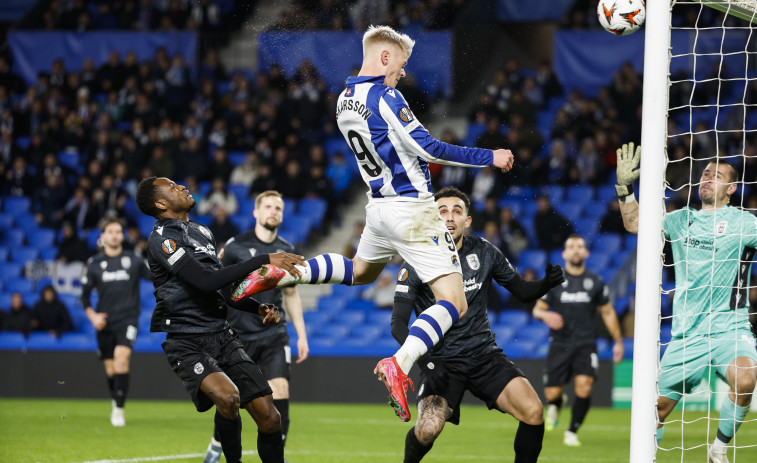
(651, 209)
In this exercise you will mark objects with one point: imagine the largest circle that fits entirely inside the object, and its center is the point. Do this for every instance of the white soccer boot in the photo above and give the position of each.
(553, 413)
(117, 417)
(715, 455)
(571, 439)
(213, 454)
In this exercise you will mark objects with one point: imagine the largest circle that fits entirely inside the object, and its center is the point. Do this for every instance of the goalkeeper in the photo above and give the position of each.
(713, 248)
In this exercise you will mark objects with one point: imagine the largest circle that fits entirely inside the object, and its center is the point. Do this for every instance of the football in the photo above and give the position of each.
(621, 17)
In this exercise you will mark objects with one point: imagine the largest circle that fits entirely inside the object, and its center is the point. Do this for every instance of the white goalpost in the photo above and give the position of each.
(701, 61)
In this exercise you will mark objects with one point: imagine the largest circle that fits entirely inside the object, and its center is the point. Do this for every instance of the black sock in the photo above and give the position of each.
(229, 433)
(414, 450)
(120, 388)
(111, 388)
(527, 443)
(557, 402)
(580, 409)
(282, 405)
(270, 447)
(216, 436)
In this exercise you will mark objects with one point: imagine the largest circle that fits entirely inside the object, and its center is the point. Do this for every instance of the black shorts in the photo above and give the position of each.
(194, 358)
(272, 354)
(108, 339)
(485, 377)
(565, 362)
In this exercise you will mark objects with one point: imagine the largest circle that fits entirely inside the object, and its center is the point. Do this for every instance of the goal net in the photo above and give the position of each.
(710, 107)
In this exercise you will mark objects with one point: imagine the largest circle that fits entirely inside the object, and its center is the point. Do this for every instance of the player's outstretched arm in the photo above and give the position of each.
(628, 172)
(527, 291)
(503, 159)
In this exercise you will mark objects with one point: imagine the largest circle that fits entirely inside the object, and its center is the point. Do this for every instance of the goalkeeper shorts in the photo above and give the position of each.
(685, 362)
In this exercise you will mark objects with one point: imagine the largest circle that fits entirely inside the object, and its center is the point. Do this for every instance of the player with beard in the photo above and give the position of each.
(115, 274)
(201, 348)
(267, 345)
(713, 248)
(468, 357)
(573, 340)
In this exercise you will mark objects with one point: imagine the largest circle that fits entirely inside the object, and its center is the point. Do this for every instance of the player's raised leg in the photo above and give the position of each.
(520, 400)
(433, 412)
(741, 378)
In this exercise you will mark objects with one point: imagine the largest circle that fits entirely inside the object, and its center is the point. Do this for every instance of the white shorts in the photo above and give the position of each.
(415, 231)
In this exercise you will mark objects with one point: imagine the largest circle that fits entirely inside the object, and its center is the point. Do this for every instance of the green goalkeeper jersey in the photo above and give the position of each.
(712, 253)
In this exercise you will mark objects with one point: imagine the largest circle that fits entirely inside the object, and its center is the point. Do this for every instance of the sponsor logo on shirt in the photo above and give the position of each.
(703, 244)
(580, 296)
(169, 246)
(401, 289)
(207, 249)
(471, 285)
(118, 275)
(176, 256)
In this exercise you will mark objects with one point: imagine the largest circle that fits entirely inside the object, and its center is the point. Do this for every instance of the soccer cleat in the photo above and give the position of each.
(396, 382)
(553, 413)
(213, 454)
(265, 278)
(716, 457)
(117, 417)
(571, 439)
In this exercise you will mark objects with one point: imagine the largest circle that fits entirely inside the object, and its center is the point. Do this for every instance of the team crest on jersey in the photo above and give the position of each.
(721, 227)
(168, 246)
(454, 260)
(473, 262)
(588, 284)
(199, 368)
(204, 231)
(126, 262)
(405, 115)
(402, 275)
(103, 265)
(253, 252)
(348, 92)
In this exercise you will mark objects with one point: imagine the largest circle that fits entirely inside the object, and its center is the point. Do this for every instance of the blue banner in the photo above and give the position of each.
(34, 52)
(588, 60)
(336, 54)
(532, 10)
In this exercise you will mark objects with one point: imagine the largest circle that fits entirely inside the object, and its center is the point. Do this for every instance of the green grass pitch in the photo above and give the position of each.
(76, 431)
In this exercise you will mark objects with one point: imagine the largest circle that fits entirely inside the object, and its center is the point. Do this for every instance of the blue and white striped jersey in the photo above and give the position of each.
(392, 147)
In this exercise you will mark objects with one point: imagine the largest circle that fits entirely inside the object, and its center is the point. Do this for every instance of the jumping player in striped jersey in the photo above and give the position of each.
(393, 150)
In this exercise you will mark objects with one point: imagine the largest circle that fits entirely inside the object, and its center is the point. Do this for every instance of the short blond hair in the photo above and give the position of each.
(385, 34)
(266, 194)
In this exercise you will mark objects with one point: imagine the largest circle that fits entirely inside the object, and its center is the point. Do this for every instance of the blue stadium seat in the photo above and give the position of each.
(23, 142)
(145, 224)
(569, 209)
(349, 292)
(41, 238)
(41, 341)
(331, 304)
(243, 222)
(237, 157)
(335, 331)
(582, 193)
(131, 210)
(595, 210)
(290, 206)
(473, 132)
(240, 191)
(361, 305)
(19, 284)
(555, 256)
(556, 193)
(48, 253)
(77, 342)
(16, 205)
(72, 301)
(350, 317)
(515, 206)
(503, 334)
(607, 243)
(92, 237)
(524, 192)
(3, 254)
(367, 331)
(503, 293)
(5, 301)
(598, 261)
(538, 332)
(533, 258)
(630, 241)
(313, 207)
(70, 160)
(10, 270)
(380, 318)
(587, 227)
(26, 222)
(10, 340)
(337, 145)
(6, 220)
(513, 318)
(12, 237)
(606, 192)
(24, 254)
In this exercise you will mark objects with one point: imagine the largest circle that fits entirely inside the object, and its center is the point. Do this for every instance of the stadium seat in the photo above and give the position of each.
(513, 318)
(533, 258)
(10, 340)
(607, 243)
(70, 160)
(131, 210)
(41, 238)
(515, 206)
(23, 142)
(5, 301)
(26, 222)
(606, 192)
(595, 210)
(348, 292)
(16, 205)
(350, 317)
(3, 254)
(331, 304)
(361, 305)
(473, 132)
(77, 342)
(50, 253)
(335, 331)
(313, 207)
(10, 270)
(6, 220)
(555, 256)
(24, 254)
(237, 157)
(587, 227)
(92, 237)
(555, 193)
(19, 284)
(580, 193)
(524, 192)
(240, 191)
(503, 293)
(367, 332)
(538, 332)
(41, 341)
(569, 209)
(380, 318)
(630, 241)
(503, 334)
(598, 261)
(12, 237)
(145, 224)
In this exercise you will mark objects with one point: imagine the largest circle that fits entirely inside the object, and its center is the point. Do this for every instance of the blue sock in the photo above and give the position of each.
(425, 332)
(731, 417)
(660, 432)
(327, 269)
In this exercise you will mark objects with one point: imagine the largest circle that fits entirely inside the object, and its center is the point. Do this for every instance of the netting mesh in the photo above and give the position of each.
(712, 117)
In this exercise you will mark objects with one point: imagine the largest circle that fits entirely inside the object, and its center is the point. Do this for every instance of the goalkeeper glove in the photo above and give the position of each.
(628, 172)
(553, 275)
